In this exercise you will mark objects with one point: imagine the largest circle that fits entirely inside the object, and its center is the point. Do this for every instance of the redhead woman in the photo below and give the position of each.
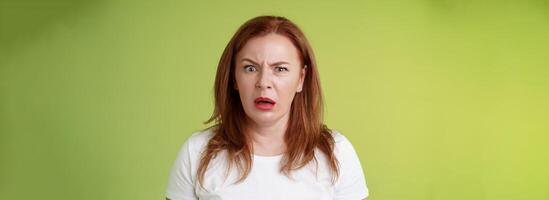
(268, 140)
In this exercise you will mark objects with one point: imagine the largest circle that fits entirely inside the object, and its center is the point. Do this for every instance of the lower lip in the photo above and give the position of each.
(264, 106)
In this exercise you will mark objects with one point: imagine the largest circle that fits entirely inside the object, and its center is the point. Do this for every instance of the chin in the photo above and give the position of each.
(263, 118)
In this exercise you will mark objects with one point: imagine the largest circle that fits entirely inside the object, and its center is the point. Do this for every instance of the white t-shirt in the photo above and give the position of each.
(265, 181)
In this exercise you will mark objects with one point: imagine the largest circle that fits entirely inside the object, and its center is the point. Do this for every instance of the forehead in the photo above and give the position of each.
(271, 47)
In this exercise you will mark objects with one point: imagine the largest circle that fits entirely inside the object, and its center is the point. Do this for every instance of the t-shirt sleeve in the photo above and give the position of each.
(180, 181)
(351, 184)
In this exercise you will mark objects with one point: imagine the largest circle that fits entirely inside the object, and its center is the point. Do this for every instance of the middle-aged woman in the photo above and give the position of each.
(268, 140)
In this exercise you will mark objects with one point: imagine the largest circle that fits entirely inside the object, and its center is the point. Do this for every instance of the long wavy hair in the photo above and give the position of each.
(306, 130)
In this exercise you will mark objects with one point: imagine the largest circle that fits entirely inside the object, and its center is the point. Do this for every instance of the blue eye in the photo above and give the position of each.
(281, 69)
(250, 68)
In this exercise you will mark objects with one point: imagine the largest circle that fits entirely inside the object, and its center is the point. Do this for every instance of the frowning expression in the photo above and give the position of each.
(268, 73)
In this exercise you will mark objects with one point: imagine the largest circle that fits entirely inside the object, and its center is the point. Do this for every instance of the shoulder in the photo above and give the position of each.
(191, 149)
(339, 138)
(198, 140)
(202, 136)
(182, 176)
(351, 183)
(343, 147)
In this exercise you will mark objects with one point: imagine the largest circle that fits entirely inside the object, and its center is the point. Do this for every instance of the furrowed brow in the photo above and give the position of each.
(272, 64)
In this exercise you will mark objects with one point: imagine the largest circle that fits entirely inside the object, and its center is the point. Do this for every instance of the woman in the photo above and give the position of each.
(268, 141)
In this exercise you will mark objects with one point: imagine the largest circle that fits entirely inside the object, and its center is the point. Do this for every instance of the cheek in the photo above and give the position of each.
(245, 87)
(287, 91)
(290, 84)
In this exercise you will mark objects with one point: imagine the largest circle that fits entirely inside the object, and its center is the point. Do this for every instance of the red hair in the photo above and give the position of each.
(306, 131)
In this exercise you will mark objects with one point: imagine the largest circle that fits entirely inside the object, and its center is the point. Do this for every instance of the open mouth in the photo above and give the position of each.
(264, 103)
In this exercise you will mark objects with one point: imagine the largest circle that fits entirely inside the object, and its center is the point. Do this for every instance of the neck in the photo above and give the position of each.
(268, 139)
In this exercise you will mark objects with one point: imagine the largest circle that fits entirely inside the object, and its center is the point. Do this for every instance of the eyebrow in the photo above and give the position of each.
(272, 64)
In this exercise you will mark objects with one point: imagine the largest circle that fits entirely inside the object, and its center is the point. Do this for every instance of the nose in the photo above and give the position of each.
(263, 81)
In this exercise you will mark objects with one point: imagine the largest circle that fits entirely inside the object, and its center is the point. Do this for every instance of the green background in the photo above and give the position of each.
(443, 99)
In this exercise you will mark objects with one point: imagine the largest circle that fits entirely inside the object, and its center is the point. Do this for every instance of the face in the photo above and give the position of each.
(268, 73)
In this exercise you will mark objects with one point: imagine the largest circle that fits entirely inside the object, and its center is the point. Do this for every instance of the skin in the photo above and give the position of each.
(268, 66)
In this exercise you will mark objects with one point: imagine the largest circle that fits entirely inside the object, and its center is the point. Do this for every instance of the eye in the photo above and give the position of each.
(249, 68)
(281, 69)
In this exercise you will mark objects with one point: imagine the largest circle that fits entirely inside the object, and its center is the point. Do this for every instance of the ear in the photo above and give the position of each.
(302, 78)
(235, 86)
